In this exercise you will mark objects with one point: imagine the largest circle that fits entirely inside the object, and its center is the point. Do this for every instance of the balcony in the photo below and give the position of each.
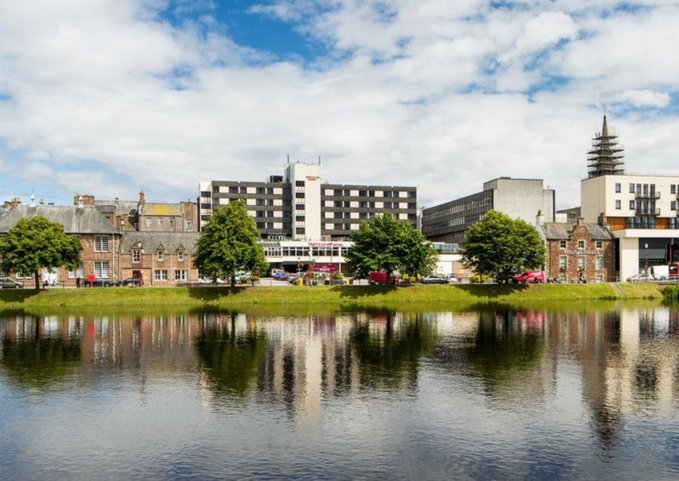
(647, 195)
(647, 212)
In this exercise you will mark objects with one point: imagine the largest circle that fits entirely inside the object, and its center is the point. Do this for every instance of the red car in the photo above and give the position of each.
(530, 277)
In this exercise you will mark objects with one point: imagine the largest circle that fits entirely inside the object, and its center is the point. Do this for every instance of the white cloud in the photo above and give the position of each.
(645, 98)
(106, 98)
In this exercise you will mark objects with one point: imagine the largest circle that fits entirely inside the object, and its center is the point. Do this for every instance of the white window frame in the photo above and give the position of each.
(181, 275)
(160, 274)
(149, 222)
(180, 256)
(599, 244)
(79, 272)
(563, 244)
(136, 256)
(100, 243)
(600, 263)
(161, 256)
(563, 262)
(102, 269)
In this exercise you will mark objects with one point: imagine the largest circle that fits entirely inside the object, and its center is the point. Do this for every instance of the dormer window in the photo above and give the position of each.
(180, 256)
(161, 256)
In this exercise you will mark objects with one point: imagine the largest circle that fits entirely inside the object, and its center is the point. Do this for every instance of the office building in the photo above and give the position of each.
(518, 198)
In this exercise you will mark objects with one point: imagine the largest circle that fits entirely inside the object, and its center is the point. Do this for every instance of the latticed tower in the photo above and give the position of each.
(605, 158)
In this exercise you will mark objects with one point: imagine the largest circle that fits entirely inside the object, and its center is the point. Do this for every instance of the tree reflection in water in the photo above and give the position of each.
(230, 360)
(33, 358)
(507, 350)
(388, 348)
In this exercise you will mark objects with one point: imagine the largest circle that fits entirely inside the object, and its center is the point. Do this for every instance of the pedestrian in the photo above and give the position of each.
(78, 281)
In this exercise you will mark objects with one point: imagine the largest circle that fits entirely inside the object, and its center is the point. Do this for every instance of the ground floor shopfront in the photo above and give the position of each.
(641, 249)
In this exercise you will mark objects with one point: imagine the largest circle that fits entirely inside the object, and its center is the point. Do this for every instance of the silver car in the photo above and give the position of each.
(9, 283)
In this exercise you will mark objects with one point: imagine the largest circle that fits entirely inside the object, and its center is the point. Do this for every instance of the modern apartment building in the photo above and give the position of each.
(518, 198)
(300, 206)
(640, 210)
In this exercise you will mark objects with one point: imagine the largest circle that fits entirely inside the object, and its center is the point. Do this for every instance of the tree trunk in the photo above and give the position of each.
(37, 280)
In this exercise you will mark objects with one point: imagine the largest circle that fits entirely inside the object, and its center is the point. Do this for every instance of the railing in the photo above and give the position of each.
(647, 195)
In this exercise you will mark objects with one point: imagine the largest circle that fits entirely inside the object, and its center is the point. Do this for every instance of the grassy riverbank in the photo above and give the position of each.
(325, 296)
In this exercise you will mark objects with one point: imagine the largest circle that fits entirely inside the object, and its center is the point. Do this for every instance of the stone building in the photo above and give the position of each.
(99, 238)
(579, 251)
(160, 259)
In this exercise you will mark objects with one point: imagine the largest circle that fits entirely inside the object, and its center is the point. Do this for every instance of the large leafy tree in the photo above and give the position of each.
(389, 245)
(501, 247)
(36, 243)
(228, 243)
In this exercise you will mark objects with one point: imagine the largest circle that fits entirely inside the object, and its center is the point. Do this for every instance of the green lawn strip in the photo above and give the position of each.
(344, 296)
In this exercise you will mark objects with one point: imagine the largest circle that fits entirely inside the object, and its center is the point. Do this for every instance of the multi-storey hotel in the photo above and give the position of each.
(518, 198)
(640, 210)
(300, 206)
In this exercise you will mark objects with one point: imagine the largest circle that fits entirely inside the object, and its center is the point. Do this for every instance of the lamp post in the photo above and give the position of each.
(646, 259)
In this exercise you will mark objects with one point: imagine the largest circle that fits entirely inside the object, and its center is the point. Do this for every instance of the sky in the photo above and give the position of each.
(110, 97)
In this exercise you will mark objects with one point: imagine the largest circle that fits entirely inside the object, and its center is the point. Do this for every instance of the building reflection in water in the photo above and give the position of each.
(614, 362)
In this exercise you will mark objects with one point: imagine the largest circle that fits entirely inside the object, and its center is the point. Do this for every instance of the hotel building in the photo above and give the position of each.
(300, 206)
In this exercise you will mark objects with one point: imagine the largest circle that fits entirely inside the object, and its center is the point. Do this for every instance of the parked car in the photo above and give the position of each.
(640, 277)
(382, 279)
(130, 282)
(9, 283)
(100, 283)
(434, 280)
(281, 276)
(529, 277)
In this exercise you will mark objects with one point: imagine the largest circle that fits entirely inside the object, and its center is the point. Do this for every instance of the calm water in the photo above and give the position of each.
(474, 395)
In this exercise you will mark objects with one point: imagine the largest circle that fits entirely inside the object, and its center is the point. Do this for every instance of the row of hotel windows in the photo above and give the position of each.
(563, 244)
(582, 262)
(369, 193)
(179, 275)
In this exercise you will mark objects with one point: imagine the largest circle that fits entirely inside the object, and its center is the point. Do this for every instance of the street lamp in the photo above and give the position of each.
(646, 258)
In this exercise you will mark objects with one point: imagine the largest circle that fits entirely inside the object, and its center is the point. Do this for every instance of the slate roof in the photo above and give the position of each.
(122, 206)
(562, 231)
(151, 241)
(76, 220)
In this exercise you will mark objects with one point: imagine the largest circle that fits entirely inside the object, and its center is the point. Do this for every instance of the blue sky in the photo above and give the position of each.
(109, 97)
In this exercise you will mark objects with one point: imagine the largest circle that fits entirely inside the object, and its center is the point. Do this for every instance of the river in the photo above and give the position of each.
(483, 395)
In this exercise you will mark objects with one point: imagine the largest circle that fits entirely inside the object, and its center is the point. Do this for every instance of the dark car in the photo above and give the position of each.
(9, 283)
(130, 282)
(434, 280)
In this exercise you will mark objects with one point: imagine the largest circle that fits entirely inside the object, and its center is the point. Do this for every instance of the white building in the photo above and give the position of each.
(640, 210)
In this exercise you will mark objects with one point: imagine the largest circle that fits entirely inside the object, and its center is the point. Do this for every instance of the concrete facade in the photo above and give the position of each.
(518, 198)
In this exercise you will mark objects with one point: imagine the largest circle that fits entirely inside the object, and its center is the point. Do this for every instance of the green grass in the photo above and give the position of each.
(273, 298)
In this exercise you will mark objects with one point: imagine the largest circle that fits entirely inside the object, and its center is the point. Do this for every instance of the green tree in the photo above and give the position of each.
(501, 247)
(389, 245)
(37, 243)
(228, 243)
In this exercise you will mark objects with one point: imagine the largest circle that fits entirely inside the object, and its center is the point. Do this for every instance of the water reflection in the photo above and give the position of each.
(547, 382)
